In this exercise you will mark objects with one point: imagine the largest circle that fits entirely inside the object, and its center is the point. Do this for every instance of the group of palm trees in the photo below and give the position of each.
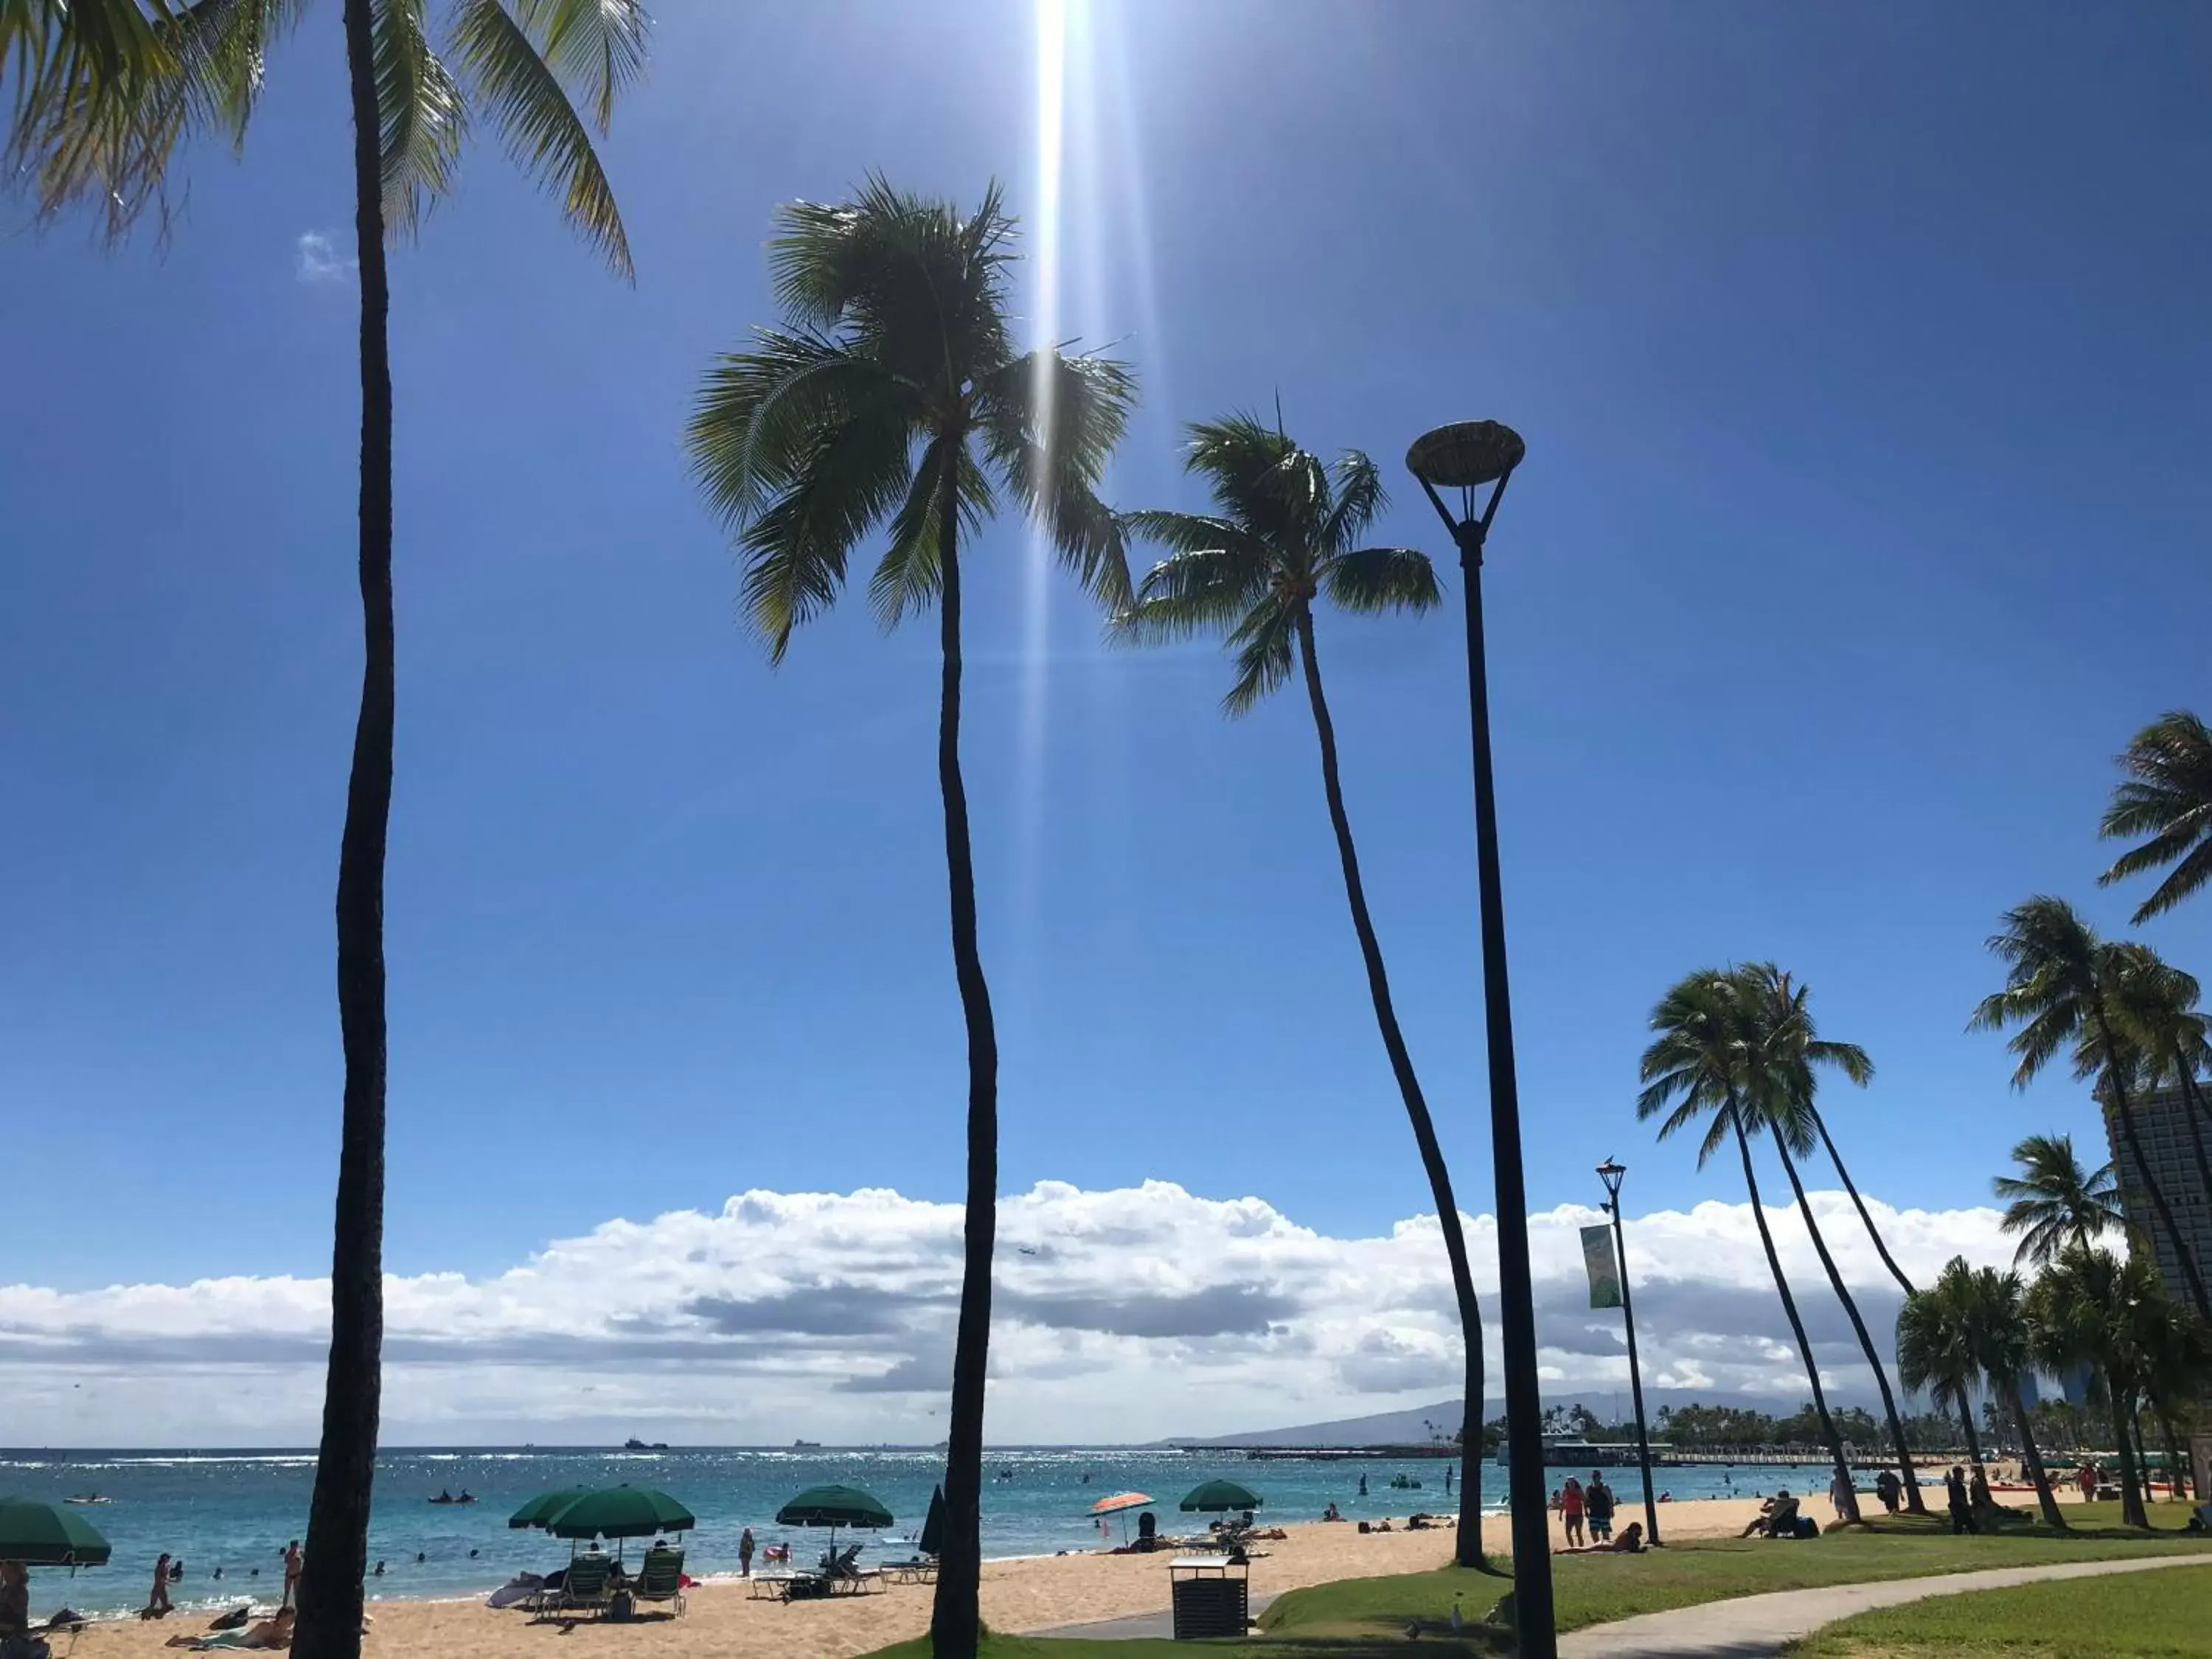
(1735, 1052)
(891, 395)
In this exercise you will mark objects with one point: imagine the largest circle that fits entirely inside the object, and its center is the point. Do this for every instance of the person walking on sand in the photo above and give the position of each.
(1840, 1491)
(157, 1604)
(2089, 1477)
(1597, 1500)
(1889, 1489)
(1571, 1512)
(745, 1553)
(291, 1576)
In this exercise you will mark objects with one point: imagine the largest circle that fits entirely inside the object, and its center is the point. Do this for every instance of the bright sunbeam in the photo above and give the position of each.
(1037, 589)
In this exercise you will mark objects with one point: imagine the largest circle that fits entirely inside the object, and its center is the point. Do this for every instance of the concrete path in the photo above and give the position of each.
(1757, 1626)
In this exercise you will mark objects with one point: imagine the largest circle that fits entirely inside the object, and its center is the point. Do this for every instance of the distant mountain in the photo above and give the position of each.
(1410, 1427)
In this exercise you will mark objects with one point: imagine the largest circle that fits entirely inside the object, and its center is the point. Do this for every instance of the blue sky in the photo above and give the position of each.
(1861, 362)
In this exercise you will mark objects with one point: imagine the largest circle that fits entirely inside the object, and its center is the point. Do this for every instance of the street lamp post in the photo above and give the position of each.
(1465, 456)
(1610, 1173)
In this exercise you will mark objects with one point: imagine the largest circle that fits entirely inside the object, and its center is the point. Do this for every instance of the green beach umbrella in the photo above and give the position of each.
(543, 1507)
(1220, 1496)
(933, 1529)
(834, 1506)
(619, 1512)
(47, 1536)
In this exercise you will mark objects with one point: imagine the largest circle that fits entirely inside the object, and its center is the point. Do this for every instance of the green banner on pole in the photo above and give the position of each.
(1604, 1269)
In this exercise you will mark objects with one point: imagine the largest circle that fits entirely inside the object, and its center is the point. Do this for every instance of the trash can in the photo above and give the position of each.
(1211, 1596)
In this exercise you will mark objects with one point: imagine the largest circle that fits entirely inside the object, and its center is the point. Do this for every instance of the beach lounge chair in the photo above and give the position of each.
(583, 1589)
(660, 1578)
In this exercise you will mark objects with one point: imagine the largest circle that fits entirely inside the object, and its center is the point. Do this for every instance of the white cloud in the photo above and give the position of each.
(316, 258)
(1124, 1314)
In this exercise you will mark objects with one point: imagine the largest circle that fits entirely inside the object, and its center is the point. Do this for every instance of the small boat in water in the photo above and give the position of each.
(87, 1498)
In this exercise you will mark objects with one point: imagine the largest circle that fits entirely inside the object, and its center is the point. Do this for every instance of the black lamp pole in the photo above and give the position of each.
(1610, 1173)
(1465, 457)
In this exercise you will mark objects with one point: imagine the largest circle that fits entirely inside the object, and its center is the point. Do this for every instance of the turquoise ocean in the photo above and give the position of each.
(235, 1511)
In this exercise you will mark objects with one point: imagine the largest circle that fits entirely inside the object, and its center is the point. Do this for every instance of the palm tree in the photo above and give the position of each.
(1780, 1099)
(1286, 530)
(2061, 981)
(2090, 1307)
(1935, 1352)
(2155, 1005)
(2054, 1204)
(1996, 1310)
(895, 396)
(1700, 1064)
(2167, 796)
(101, 124)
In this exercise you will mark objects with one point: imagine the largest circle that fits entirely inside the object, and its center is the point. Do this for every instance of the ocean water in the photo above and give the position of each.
(234, 1510)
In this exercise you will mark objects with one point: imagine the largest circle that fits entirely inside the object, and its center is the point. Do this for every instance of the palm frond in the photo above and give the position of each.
(1207, 586)
(420, 111)
(2167, 794)
(1049, 423)
(918, 285)
(795, 549)
(545, 137)
(910, 574)
(1379, 579)
(1245, 464)
(760, 416)
(107, 92)
(1357, 484)
(597, 46)
(1263, 643)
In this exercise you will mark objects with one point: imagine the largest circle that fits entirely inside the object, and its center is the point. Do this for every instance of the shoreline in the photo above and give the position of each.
(1024, 1593)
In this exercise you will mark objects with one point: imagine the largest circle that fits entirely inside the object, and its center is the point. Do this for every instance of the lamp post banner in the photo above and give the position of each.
(1604, 1268)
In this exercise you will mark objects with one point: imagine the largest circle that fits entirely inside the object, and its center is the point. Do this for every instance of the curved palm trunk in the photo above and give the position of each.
(955, 1622)
(328, 1618)
(1469, 1550)
(2033, 1456)
(1913, 1499)
(1859, 1325)
(2157, 1195)
(1789, 1302)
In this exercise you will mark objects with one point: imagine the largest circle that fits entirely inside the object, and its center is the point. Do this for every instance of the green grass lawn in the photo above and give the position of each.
(1356, 1616)
(1595, 1589)
(2149, 1615)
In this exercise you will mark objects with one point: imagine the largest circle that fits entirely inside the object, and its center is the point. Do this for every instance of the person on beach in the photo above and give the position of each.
(1961, 1506)
(292, 1564)
(1840, 1493)
(1889, 1488)
(2088, 1478)
(1598, 1501)
(15, 1598)
(1571, 1512)
(157, 1604)
(745, 1553)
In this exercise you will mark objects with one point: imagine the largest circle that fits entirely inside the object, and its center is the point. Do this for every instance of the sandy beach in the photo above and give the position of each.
(724, 1622)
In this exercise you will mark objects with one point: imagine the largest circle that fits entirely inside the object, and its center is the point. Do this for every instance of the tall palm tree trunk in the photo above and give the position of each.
(1913, 1499)
(955, 1623)
(2132, 1513)
(1469, 1544)
(2172, 1228)
(1789, 1302)
(1859, 1325)
(329, 1616)
(2033, 1456)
